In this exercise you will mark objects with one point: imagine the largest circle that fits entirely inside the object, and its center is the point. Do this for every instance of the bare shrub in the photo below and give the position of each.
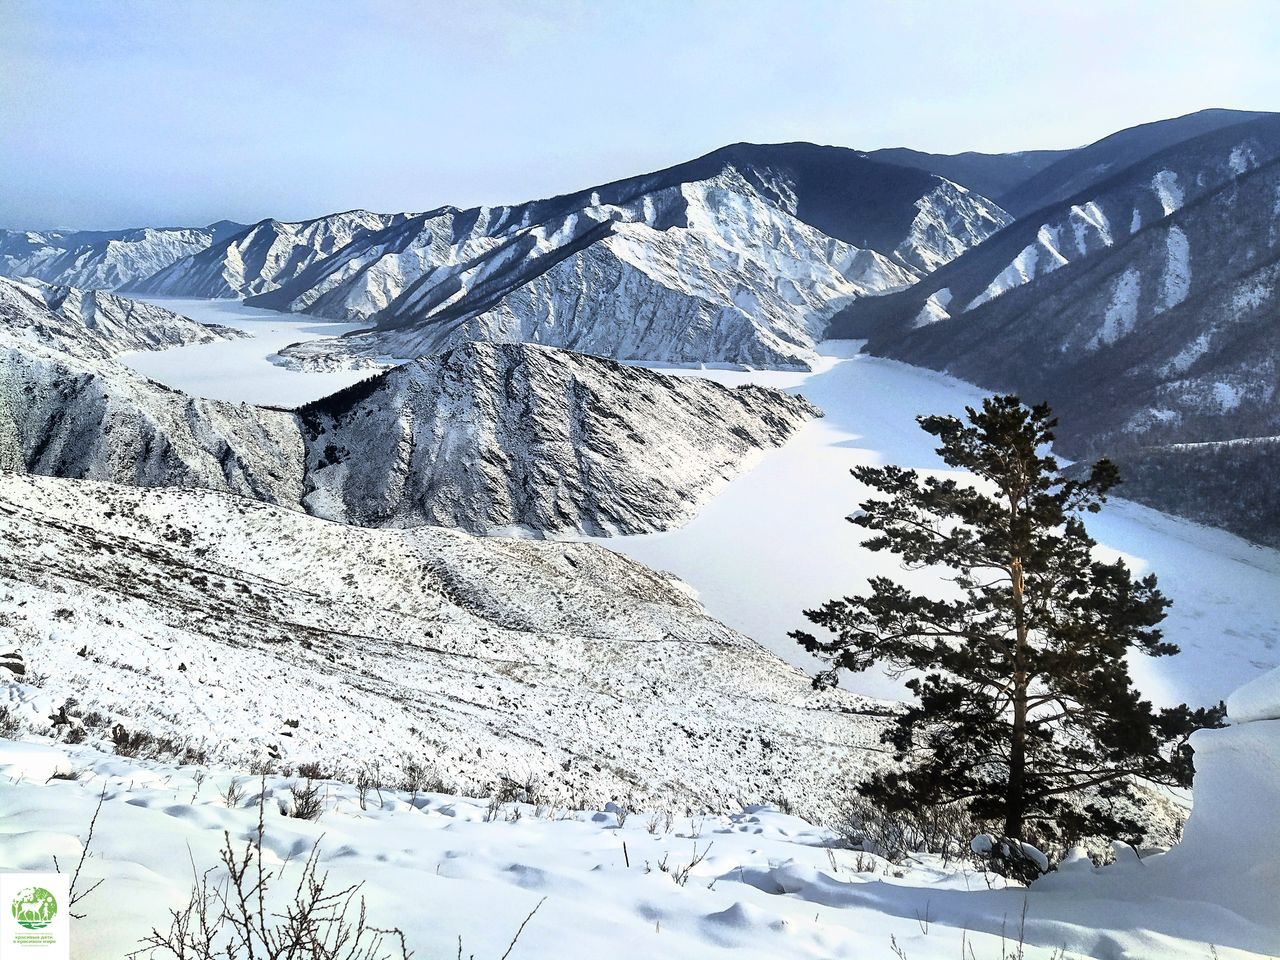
(131, 743)
(10, 726)
(944, 830)
(421, 777)
(680, 874)
(229, 920)
(75, 890)
(660, 820)
(369, 777)
(233, 793)
(306, 802)
(313, 771)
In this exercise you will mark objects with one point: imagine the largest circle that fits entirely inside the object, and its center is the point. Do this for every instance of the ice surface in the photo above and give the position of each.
(242, 370)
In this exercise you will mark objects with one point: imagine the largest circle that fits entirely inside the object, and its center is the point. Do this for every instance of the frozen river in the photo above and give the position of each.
(775, 541)
(241, 370)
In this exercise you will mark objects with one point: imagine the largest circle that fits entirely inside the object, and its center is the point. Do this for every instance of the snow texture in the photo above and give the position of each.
(93, 323)
(207, 615)
(488, 437)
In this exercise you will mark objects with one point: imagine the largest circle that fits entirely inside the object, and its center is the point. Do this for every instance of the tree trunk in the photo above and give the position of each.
(1015, 800)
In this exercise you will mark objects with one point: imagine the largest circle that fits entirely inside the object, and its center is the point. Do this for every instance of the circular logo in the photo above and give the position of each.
(34, 908)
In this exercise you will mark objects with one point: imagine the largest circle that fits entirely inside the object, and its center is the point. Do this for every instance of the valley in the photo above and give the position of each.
(775, 542)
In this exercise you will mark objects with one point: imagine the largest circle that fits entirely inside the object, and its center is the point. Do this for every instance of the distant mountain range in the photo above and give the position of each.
(1131, 282)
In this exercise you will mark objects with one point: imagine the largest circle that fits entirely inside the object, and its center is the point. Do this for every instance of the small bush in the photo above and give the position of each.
(307, 803)
(944, 830)
(423, 778)
(233, 793)
(131, 743)
(313, 771)
(231, 919)
(10, 726)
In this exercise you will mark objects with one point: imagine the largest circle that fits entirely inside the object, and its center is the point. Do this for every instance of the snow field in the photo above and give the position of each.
(442, 867)
(243, 370)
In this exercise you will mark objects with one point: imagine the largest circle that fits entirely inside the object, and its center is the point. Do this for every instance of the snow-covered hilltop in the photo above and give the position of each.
(92, 323)
(259, 258)
(493, 436)
(486, 437)
(105, 259)
(284, 635)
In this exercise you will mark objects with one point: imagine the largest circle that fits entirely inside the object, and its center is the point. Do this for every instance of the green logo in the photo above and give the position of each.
(34, 908)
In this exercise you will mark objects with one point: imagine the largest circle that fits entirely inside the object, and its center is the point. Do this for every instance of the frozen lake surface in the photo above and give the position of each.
(775, 542)
(241, 370)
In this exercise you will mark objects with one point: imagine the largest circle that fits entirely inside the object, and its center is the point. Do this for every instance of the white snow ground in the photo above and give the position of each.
(243, 371)
(770, 885)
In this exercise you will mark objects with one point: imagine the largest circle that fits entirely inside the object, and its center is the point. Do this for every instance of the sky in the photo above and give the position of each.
(125, 113)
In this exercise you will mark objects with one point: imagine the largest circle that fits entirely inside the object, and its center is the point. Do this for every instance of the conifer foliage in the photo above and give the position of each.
(1024, 711)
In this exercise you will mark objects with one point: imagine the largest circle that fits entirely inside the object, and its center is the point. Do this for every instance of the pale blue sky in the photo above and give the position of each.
(123, 113)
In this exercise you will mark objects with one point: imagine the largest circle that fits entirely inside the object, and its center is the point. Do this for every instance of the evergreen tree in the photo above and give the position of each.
(1025, 712)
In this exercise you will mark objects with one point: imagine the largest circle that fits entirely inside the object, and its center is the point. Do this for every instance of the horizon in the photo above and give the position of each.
(133, 114)
(70, 228)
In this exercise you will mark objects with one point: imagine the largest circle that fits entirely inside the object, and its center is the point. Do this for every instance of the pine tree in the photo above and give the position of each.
(1024, 711)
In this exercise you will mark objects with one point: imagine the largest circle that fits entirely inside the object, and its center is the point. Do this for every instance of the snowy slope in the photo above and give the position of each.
(706, 271)
(1086, 167)
(93, 323)
(205, 612)
(1083, 225)
(258, 258)
(491, 436)
(96, 260)
(68, 416)
(1143, 313)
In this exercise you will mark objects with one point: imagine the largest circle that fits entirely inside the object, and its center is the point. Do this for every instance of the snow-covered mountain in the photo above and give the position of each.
(92, 323)
(68, 416)
(484, 437)
(259, 258)
(491, 436)
(1144, 311)
(283, 635)
(1097, 219)
(103, 260)
(739, 256)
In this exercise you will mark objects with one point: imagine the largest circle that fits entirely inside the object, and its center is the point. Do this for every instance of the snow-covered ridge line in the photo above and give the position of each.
(499, 436)
(95, 260)
(709, 270)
